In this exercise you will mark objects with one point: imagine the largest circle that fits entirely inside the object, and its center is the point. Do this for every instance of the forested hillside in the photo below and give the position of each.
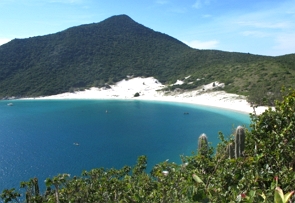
(106, 52)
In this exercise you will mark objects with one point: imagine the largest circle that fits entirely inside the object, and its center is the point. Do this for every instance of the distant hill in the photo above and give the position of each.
(106, 52)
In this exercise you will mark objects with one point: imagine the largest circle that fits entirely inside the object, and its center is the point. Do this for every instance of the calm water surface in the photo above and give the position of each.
(37, 136)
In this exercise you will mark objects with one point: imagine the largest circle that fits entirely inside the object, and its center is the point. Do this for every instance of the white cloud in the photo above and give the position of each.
(254, 34)
(207, 2)
(256, 30)
(286, 43)
(207, 16)
(199, 3)
(264, 24)
(178, 10)
(4, 41)
(212, 44)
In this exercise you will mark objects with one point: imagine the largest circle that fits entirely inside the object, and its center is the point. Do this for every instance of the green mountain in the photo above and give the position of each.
(103, 53)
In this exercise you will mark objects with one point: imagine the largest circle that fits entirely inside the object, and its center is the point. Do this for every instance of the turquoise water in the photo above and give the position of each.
(37, 136)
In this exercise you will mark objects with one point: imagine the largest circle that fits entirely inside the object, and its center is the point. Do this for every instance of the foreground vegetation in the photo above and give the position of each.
(100, 54)
(249, 166)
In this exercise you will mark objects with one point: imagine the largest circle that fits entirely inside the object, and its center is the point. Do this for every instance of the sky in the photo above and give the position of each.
(261, 27)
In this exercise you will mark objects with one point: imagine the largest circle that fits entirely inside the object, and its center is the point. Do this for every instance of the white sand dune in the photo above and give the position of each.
(150, 89)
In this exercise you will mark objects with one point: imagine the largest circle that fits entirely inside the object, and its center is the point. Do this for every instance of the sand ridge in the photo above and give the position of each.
(151, 89)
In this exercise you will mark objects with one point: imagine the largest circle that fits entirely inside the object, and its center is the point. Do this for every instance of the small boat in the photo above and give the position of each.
(10, 104)
(75, 143)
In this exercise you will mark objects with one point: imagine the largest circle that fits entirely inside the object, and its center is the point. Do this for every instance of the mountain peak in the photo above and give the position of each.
(120, 21)
(120, 17)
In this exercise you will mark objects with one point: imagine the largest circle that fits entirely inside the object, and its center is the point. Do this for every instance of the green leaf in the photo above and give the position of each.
(263, 196)
(279, 195)
(197, 179)
(288, 196)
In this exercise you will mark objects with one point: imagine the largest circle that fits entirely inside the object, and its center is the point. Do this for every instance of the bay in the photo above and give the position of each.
(43, 138)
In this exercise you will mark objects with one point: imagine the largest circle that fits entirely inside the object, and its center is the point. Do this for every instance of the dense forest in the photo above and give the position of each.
(99, 54)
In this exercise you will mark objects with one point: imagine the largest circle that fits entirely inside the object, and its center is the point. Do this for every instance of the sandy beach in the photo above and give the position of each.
(151, 89)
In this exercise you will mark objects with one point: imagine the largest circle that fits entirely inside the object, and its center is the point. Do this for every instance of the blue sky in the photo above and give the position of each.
(250, 26)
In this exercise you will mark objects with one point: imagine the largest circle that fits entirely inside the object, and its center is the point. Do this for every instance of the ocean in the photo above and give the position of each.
(43, 138)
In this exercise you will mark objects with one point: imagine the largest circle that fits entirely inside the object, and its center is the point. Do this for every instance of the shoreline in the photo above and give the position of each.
(149, 89)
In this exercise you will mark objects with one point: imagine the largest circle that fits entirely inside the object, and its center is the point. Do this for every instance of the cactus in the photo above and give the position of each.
(230, 150)
(203, 144)
(239, 141)
(36, 186)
